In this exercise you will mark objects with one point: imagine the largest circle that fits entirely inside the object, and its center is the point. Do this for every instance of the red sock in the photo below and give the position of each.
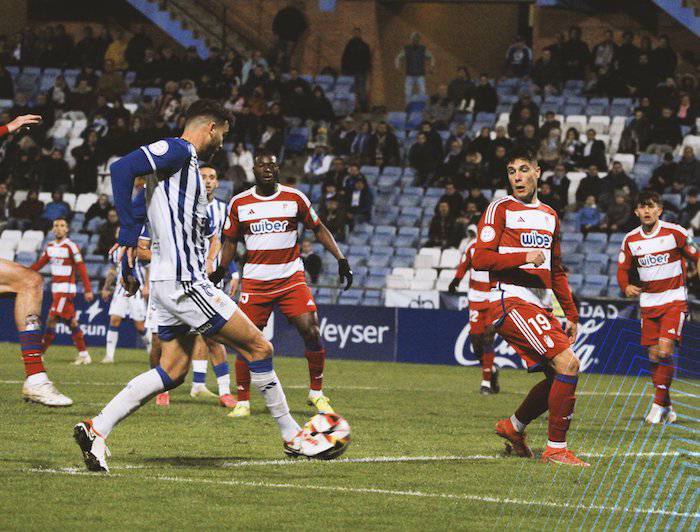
(78, 339)
(562, 397)
(661, 377)
(487, 365)
(316, 361)
(32, 351)
(49, 337)
(535, 404)
(242, 380)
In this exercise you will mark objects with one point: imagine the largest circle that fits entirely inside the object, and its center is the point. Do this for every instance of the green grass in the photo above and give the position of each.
(190, 467)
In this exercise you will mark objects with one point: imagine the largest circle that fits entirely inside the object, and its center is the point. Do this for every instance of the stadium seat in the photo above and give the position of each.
(405, 241)
(672, 199)
(6, 253)
(400, 261)
(26, 257)
(378, 261)
(358, 239)
(617, 238)
(11, 235)
(433, 254)
(385, 230)
(381, 241)
(572, 237)
(601, 124)
(85, 201)
(375, 281)
(406, 252)
(397, 282)
(33, 235)
(396, 119)
(450, 258)
(422, 284)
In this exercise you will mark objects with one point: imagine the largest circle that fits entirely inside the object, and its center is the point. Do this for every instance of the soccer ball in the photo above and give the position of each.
(325, 437)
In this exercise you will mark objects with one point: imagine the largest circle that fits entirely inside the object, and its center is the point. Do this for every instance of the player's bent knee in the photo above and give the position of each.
(566, 363)
(30, 281)
(261, 349)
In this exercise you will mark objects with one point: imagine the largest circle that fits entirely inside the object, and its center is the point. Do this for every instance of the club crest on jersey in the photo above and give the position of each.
(264, 226)
(650, 260)
(533, 239)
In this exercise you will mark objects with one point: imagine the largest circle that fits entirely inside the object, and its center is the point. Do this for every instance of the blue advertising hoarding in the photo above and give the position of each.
(608, 340)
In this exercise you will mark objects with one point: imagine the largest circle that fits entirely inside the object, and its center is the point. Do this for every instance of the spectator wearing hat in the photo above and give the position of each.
(518, 59)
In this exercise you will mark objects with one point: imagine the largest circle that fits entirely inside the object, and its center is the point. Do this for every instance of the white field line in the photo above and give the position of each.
(284, 462)
(376, 491)
(367, 388)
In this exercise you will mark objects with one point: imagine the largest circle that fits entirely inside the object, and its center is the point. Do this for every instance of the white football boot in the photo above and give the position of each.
(656, 414)
(83, 359)
(93, 447)
(671, 415)
(44, 393)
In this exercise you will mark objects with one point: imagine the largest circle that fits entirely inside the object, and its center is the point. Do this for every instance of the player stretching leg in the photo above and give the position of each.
(657, 251)
(208, 349)
(123, 305)
(266, 216)
(65, 258)
(518, 244)
(481, 331)
(182, 295)
(29, 287)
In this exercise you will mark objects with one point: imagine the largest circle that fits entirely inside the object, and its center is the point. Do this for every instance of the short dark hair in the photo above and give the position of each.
(265, 153)
(61, 219)
(521, 152)
(204, 165)
(647, 197)
(206, 108)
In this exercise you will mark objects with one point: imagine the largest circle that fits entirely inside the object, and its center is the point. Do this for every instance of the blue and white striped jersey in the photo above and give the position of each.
(177, 211)
(218, 213)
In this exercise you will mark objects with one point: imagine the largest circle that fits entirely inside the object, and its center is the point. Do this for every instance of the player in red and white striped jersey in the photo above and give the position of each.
(481, 330)
(518, 244)
(657, 250)
(65, 259)
(266, 217)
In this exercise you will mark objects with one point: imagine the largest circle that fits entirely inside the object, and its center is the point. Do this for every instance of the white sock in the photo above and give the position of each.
(517, 424)
(199, 372)
(148, 340)
(487, 384)
(111, 346)
(269, 385)
(139, 390)
(83, 354)
(224, 383)
(37, 378)
(315, 394)
(556, 444)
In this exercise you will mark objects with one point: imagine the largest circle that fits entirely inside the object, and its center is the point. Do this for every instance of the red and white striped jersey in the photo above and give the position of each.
(65, 259)
(658, 258)
(479, 283)
(269, 227)
(508, 230)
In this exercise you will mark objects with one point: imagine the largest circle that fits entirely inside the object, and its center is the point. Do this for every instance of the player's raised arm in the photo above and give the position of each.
(20, 121)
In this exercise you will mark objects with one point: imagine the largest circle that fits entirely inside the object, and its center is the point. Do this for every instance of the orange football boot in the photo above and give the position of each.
(517, 444)
(562, 456)
(227, 401)
(163, 399)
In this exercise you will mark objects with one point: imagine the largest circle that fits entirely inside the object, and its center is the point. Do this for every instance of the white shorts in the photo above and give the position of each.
(123, 306)
(181, 305)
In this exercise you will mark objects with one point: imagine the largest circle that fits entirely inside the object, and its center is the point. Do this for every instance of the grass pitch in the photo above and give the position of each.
(423, 456)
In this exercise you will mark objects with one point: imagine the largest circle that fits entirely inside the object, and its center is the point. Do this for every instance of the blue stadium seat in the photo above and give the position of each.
(408, 201)
(612, 250)
(401, 262)
(364, 228)
(375, 281)
(359, 250)
(623, 101)
(412, 211)
(324, 300)
(620, 110)
(369, 170)
(434, 192)
(296, 139)
(383, 240)
(414, 191)
(414, 120)
(345, 81)
(407, 220)
(573, 109)
(415, 107)
(569, 247)
(355, 260)
(672, 199)
(595, 109)
(406, 252)
(378, 261)
(394, 171)
(486, 118)
(575, 279)
(385, 219)
(574, 260)
(617, 238)
(550, 106)
(360, 270)
(572, 237)
(648, 158)
(597, 237)
(153, 92)
(384, 230)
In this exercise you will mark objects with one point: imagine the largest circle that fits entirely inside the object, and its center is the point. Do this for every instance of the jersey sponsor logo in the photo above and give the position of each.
(488, 233)
(647, 261)
(158, 148)
(265, 226)
(533, 239)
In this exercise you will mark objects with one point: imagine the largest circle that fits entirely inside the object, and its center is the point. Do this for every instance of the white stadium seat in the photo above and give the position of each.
(577, 121)
(78, 127)
(447, 274)
(433, 253)
(499, 193)
(12, 235)
(450, 258)
(426, 273)
(6, 253)
(85, 201)
(397, 282)
(575, 178)
(422, 284)
(694, 142)
(45, 197)
(442, 285)
(33, 234)
(19, 196)
(26, 245)
(405, 273)
(601, 124)
(69, 198)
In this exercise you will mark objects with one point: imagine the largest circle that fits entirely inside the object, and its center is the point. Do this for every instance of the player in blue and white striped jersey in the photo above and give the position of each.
(175, 205)
(124, 305)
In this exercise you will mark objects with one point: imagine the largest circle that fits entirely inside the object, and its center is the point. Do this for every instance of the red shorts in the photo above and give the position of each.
(293, 302)
(534, 333)
(480, 317)
(667, 325)
(62, 307)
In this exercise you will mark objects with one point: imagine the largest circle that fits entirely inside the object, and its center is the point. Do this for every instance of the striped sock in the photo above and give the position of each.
(31, 344)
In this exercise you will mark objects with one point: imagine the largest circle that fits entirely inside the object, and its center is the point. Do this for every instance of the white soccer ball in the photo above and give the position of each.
(325, 437)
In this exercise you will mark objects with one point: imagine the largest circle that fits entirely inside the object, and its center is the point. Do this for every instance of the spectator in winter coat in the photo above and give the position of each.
(485, 96)
(665, 133)
(589, 215)
(359, 203)
(689, 168)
